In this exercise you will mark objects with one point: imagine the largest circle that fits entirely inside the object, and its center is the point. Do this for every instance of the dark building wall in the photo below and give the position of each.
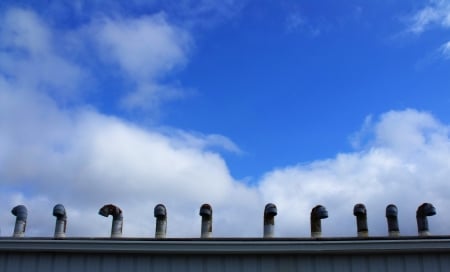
(27, 262)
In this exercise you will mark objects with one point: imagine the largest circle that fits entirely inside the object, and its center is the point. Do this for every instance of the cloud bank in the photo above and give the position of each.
(85, 159)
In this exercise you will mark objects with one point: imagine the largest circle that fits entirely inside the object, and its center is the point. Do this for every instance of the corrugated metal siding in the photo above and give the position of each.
(26, 262)
(90, 254)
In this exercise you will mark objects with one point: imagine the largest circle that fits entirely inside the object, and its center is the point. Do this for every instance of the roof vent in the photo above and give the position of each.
(317, 213)
(61, 221)
(361, 220)
(270, 211)
(392, 221)
(160, 213)
(424, 210)
(117, 222)
(206, 214)
(21, 214)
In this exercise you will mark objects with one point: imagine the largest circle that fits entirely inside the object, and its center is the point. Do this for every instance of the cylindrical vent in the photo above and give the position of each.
(392, 221)
(424, 210)
(317, 213)
(206, 214)
(361, 220)
(117, 222)
(61, 221)
(116, 229)
(270, 211)
(160, 213)
(21, 214)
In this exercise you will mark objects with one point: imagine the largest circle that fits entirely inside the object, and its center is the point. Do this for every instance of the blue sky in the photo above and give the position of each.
(302, 89)
(234, 96)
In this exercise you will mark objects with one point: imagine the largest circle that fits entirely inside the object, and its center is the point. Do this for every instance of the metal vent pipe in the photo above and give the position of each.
(392, 221)
(424, 210)
(361, 220)
(160, 213)
(317, 213)
(21, 214)
(270, 211)
(206, 214)
(117, 222)
(61, 221)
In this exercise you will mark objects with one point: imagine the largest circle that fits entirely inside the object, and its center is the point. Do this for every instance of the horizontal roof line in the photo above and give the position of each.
(229, 246)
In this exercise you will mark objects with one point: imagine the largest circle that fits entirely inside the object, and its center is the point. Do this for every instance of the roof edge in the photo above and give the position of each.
(227, 246)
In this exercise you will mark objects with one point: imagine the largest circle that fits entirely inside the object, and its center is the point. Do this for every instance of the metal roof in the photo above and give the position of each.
(349, 245)
(251, 254)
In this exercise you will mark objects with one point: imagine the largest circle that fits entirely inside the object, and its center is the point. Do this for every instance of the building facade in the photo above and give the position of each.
(430, 253)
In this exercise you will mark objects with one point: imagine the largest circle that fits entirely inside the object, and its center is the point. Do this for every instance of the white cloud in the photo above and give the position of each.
(407, 164)
(149, 95)
(29, 56)
(201, 141)
(84, 159)
(146, 50)
(423, 18)
(359, 138)
(445, 50)
(437, 12)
